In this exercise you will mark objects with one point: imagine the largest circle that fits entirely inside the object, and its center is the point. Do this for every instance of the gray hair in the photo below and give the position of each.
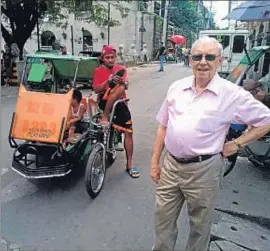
(208, 39)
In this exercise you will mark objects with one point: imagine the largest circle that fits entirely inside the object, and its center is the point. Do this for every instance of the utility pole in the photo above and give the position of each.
(210, 16)
(230, 6)
(142, 30)
(229, 10)
(136, 24)
(165, 22)
(83, 38)
(168, 21)
(72, 39)
(109, 21)
(37, 7)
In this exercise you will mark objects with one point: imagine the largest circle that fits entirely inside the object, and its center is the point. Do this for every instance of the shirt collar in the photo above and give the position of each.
(213, 86)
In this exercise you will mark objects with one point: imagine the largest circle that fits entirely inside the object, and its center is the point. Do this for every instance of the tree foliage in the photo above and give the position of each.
(92, 10)
(21, 16)
(185, 15)
(18, 18)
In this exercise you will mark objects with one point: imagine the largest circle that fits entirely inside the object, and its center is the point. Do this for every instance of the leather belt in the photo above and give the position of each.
(196, 159)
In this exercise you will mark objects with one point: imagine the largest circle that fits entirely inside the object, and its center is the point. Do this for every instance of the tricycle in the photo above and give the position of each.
(38, 128)
(258, 158)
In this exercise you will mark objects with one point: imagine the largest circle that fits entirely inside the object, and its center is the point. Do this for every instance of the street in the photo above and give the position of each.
(59, 215)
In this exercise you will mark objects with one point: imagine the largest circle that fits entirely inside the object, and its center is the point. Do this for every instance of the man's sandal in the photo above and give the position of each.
(133, 172)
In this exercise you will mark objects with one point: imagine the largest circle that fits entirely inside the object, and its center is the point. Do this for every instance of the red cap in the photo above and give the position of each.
(108, 49)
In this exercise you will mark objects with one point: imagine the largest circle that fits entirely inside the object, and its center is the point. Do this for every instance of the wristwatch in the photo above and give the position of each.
(237, 143)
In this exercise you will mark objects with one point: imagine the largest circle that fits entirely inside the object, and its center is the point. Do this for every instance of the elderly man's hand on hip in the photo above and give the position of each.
(229, 149)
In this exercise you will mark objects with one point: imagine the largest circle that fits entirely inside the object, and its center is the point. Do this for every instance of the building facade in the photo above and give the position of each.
(143, 27)
(207, 22)
(77, 34)
(260, 36)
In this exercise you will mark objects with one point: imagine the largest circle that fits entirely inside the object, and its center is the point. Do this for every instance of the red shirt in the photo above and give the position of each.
(102, 73)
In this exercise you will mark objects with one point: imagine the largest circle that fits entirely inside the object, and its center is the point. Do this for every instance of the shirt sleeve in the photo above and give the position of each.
(163, 114)
(250, 111)
(96, 78)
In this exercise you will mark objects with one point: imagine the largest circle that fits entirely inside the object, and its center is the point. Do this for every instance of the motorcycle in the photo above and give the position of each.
(258, 158)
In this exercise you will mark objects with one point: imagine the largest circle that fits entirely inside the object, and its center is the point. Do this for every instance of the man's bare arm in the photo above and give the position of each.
(100, 88)
(80, 117)
(253, 134)
(158, 148)
(158, 145)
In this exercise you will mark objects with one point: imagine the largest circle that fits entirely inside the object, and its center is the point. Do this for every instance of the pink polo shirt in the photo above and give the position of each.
(197, 124)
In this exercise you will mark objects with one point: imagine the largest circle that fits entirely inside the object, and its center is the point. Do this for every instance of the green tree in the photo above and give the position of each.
(21, 16)
(186, 17)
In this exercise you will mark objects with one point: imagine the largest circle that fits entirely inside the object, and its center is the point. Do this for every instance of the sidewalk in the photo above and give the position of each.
(242, 216)
(235, 233)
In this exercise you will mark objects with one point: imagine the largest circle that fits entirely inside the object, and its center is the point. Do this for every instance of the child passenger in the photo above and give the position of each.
(78, 110)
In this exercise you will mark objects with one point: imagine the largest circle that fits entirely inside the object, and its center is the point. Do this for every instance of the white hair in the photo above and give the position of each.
(208, 39)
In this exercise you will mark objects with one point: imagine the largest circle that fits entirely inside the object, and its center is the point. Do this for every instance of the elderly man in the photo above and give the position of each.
(194, 120)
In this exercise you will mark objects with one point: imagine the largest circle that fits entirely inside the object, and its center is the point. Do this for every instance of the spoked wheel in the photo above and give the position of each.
(95, 172)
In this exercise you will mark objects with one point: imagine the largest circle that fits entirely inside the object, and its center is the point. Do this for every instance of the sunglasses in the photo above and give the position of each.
(208, 57)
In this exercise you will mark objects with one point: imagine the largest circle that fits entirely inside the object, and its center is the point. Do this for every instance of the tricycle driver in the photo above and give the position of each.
(110, 87)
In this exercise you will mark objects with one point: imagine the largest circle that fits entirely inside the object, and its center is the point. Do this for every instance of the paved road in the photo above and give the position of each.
(58, 215)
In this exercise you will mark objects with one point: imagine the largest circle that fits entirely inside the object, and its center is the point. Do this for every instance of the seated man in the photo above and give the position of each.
(107, 96)
(78, 110)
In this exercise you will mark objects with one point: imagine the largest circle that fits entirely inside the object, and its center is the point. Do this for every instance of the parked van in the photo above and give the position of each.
(232, 42)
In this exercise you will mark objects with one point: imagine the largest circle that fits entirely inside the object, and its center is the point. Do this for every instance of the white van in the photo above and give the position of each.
(232, 42)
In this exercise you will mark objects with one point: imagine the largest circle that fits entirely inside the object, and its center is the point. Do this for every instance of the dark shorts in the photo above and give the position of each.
(80, 126)
(122, 117)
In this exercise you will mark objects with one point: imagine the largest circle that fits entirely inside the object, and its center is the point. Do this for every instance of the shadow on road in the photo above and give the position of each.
(65, 183)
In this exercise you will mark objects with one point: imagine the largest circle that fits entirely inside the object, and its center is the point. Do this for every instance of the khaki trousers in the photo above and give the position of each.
(198, 185)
